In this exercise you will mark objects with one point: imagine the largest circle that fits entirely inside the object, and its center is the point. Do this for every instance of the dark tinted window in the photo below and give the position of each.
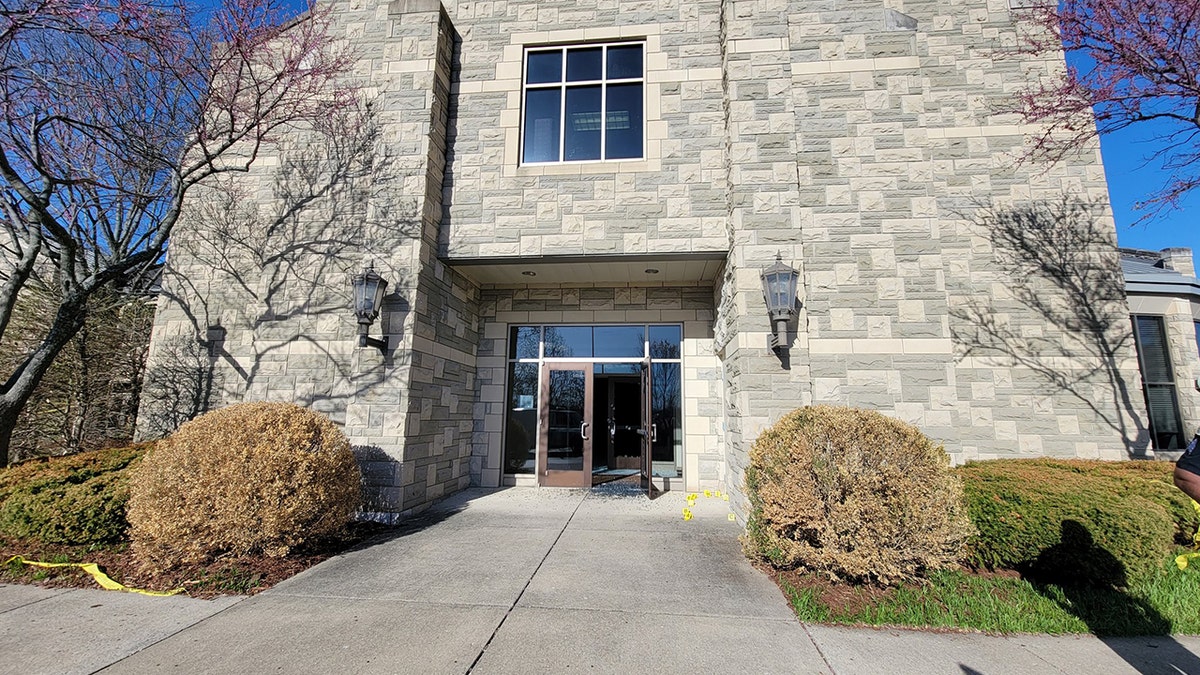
(620, 341)
(624, 61)
(566, 121)
(542, 116)
(521, 430)
(523, 342)
(584, 64)
(583, 123)
(566, 341)
(624, 132)
(664, 342)
(544, 67)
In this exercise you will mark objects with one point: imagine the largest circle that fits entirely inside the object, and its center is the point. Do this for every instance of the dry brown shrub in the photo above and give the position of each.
(248, 479)
(855, 495)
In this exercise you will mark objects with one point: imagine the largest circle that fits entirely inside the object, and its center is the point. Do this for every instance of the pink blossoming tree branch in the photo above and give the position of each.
(111, 112)
(1145, 67)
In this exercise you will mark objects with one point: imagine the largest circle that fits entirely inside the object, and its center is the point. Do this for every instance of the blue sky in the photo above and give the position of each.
(1131, 178)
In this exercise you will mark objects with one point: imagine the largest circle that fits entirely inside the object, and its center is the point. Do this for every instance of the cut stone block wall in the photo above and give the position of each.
(853, 138)
(257, 303)
(1179, 315)
(858, 147)
(690, 306)
(671, 201)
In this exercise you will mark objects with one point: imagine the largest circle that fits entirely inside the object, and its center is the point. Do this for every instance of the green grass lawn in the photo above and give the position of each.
(1169, 603)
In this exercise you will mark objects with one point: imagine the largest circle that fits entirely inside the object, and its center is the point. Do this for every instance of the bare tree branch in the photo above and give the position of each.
(111, 113)
(1140, 65)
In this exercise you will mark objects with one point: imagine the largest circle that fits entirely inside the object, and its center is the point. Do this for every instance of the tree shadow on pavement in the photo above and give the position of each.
(1089, 582)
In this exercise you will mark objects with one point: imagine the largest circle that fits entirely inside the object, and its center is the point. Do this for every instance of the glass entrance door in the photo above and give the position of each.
(565, 438)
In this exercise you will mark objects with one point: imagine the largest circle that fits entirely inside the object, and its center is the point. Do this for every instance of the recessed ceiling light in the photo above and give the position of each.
(651, 270)
(529, 273)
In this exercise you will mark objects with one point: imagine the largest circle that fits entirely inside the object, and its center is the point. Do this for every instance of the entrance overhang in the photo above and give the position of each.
(658, 268)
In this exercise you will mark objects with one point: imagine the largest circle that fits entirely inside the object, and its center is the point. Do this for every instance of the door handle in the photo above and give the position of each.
(653, 432)
(583, 431)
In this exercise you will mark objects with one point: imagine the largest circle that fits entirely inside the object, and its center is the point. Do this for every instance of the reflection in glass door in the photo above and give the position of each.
(565, 443)
(665, 403)
(635, 373)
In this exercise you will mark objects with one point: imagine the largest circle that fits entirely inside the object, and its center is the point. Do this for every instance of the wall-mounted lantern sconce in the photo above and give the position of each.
(369, 289)
(779, 288)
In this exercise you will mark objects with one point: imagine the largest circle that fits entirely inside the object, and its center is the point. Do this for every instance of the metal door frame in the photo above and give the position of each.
(565, 478)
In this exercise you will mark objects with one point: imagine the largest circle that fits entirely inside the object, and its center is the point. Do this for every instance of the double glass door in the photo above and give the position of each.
(568, 429)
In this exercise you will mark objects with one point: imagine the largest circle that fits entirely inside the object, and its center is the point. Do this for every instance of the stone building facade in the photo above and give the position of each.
(1164, 300)
(617, 213)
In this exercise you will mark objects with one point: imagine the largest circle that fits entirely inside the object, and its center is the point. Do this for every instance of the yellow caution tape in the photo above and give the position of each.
(101, 578)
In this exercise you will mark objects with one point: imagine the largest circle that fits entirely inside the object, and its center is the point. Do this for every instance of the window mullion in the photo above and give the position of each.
(562, 124)
(643, 131)
(603, 102)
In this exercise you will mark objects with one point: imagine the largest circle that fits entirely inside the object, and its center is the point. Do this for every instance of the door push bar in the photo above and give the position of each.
(653, 433)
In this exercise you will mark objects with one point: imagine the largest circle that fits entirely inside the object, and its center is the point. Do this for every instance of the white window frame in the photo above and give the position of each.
(562, 85)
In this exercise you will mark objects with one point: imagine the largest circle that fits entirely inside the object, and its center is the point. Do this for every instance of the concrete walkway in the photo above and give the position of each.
(524, 581)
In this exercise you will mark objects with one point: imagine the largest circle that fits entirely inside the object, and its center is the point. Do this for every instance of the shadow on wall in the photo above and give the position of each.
(259, 273)
(178, 385)
(380, 478)
(448, 176)
(1058, 263)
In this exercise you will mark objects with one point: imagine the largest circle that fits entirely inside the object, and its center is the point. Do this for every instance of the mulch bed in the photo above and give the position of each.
(845, 599)
(245, 575)
(838, 596)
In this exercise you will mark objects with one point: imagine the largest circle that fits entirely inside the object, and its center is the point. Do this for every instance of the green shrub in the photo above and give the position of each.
(1106, 523)
(247, 479)
(79, 499)
(855, 495)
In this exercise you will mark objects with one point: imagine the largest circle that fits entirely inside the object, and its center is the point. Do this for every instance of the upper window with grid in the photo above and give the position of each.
(584, 103)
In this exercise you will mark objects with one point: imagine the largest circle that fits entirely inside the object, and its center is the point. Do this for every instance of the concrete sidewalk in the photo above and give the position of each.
(524, 581)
